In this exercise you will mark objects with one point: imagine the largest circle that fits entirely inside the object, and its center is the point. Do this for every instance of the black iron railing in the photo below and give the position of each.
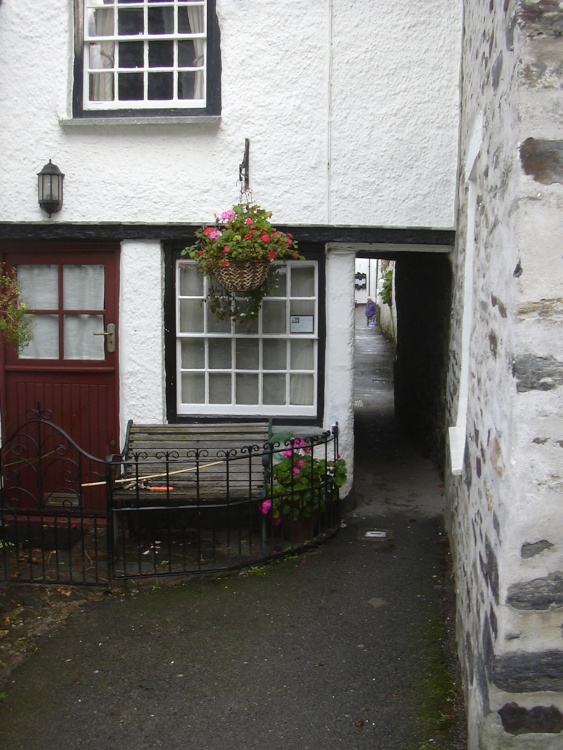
(69, 517)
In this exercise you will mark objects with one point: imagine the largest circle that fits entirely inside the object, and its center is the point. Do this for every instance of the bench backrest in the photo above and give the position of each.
(177, 456)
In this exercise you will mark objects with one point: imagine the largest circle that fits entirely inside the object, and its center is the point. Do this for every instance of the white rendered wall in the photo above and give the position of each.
(339, 362)
(141, 334)
(350, 108)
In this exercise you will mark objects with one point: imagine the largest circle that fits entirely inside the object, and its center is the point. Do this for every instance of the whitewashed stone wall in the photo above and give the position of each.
(505, 508)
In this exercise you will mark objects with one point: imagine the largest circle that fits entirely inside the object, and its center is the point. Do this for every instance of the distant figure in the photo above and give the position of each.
(370, 310)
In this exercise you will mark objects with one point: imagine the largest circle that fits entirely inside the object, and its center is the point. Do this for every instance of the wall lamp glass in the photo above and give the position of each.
(50, 188)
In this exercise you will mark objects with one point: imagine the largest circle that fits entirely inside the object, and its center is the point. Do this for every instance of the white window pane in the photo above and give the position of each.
(45, 341)
(248, 354)
(273, 389)
(302, 307)
(79, 339)
(247, 389)
(193, 354)
(191, 281)
(83, 287)
(280, 288)
(219, 388)
(100, 20)
(220, 354)
(191, 20)
(193, 388)
(214, 325)
(248, 328)
(301, 390)
(191, 316)
(302, 281)
(275, 354)
(39, 286)
(273, 316)
(302, 354)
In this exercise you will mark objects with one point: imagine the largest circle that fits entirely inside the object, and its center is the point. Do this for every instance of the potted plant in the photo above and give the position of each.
(239, 251)
(300, 486)
(15, 320)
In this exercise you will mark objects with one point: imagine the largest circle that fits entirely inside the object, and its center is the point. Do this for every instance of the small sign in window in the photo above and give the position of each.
(302, 324)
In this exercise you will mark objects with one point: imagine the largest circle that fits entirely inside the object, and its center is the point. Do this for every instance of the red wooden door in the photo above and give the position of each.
(70, 368)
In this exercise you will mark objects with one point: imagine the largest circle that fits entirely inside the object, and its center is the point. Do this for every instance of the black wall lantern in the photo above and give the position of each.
(50, 188)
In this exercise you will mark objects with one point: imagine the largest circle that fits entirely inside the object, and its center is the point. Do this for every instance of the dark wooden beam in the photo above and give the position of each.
(184, 233)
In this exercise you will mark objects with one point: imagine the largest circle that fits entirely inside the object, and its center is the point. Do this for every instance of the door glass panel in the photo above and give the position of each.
(219, 388)
(214, 325)
(39, 286)
(274, 389)
(274, 354)
(79, 339)
(83, 288)
(45, 341)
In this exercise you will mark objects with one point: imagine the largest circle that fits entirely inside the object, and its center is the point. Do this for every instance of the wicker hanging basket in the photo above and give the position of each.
(242, 275)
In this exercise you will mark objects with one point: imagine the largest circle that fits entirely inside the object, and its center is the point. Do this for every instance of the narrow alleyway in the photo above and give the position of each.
(337, 649)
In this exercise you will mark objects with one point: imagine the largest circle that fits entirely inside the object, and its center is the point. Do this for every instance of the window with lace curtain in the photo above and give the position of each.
(146, 57)
(269, 365)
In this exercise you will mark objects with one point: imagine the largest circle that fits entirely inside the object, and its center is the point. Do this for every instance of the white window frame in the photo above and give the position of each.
(145, 104)
(236, 332)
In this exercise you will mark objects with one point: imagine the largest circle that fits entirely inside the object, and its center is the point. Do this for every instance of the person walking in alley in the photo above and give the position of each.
(370, 310)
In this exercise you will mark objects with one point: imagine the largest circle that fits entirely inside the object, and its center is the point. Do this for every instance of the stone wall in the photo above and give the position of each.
(504, 511)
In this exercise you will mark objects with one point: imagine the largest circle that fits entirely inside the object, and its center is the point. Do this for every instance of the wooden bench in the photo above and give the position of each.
(191, 464)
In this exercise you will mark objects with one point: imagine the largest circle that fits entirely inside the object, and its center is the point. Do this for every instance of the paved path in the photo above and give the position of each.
(332, 649)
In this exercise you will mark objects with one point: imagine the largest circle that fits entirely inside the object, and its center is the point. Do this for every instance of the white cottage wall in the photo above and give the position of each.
(350, 108)
(141, 334)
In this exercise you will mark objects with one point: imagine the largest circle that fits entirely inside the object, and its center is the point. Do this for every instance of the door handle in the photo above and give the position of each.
(110, 340)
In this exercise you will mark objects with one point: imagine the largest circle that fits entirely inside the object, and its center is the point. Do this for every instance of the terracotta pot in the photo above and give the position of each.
(301, 530)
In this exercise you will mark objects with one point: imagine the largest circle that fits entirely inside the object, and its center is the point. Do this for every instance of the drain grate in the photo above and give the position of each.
(376, 535)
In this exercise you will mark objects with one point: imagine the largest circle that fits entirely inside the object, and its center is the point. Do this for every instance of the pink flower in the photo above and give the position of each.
(226, 249)
(296, 470)
(288, 240)
(287, 453)
(228, 215)
(265, 237)
(276, 234)
(276, 521)
(302, 463)
(224, 262)
(248, 221)
(212, 233)
(200, 252)
(272, 254)
(266, 505)
(249, 235)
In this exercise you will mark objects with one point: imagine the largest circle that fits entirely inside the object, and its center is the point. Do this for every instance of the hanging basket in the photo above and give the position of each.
(242, 275)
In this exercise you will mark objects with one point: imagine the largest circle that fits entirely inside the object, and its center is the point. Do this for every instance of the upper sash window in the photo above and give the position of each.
(147, 57)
